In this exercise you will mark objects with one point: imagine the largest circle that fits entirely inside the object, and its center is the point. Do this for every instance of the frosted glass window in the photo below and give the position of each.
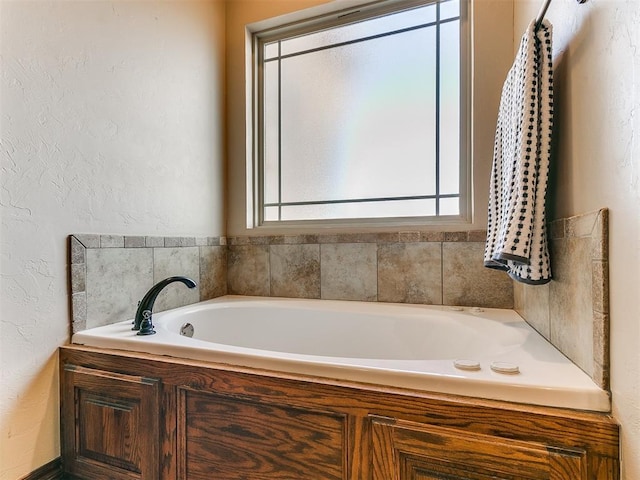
(449, 9)
(399, 208)
(350, 129)
(449, 125)
(358, 31)
(362, 120)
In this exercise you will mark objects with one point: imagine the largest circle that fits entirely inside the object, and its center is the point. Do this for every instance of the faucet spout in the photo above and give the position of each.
(143, 321)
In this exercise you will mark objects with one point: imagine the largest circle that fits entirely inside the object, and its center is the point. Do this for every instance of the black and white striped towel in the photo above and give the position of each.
(516, 230)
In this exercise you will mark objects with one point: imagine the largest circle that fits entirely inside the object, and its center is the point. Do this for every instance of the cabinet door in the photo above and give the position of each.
(110, 427)
(230, 438)
(412, 451)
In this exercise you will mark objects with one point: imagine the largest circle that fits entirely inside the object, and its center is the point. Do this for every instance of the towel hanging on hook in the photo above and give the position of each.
(516, 228)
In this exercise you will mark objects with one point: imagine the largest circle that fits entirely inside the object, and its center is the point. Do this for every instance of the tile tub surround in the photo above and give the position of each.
(111, 273)
(572, 311)
(437, 268)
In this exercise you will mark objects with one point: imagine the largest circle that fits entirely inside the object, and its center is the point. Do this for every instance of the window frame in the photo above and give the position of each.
(286, 29)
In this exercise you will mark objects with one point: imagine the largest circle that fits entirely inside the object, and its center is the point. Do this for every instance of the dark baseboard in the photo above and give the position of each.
(49, 471)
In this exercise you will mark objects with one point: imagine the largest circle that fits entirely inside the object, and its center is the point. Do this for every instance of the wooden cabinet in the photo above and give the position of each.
(413, 451)
(110, 428)
(228, 438)
(138, 416)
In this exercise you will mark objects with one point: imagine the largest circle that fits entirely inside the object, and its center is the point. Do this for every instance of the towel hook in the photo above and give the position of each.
(543, 11)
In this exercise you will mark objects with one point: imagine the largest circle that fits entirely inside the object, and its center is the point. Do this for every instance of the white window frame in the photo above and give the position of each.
(301, 25)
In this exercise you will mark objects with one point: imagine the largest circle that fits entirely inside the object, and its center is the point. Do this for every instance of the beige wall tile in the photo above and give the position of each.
(296, 239)
(78, 277)
(410, 273)
(409, 237)
(581, 225)
(477, 235)
(536, 307)
(117, 278)
(600, 286)
(213, 272)
(168, 262)
(519, 298)
(154, 241)
(557, 229)
(601, 352)
(431, 236)
(111, 241)
(456, 236)
(600, 237)
(179, 242)
(577, 299)
(248, 270)
(77, 250)
(349, 271)
(88, 240)
(570, 300)
(79, 312)
(467, 282)
(134, 242)
(295, 271)
(388, 237)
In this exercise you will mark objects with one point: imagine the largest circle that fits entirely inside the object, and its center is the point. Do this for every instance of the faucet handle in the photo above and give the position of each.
(146, 326)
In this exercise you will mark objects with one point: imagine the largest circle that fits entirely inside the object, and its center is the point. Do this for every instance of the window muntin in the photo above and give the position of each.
(364, 120)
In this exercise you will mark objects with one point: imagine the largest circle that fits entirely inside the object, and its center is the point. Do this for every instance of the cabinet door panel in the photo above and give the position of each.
(565, 464)
(228, 438)
(110, 425)
(406, 450)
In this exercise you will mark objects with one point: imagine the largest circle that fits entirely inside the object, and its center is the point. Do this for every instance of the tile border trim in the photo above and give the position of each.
(371, 237)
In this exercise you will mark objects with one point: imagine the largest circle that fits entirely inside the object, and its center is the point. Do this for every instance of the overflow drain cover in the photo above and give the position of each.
(186, 330)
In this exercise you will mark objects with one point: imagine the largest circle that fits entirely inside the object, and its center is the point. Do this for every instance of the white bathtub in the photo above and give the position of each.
(410, 346)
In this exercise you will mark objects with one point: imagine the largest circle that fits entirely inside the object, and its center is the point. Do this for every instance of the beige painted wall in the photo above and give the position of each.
(597, 77)
(112, 122)
(493, 37)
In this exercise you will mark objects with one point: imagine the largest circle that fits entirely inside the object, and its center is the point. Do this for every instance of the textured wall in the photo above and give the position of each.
(597, 164)
(111, 122)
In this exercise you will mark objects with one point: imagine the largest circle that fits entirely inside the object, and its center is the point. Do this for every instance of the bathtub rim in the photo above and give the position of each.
(591, 398)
